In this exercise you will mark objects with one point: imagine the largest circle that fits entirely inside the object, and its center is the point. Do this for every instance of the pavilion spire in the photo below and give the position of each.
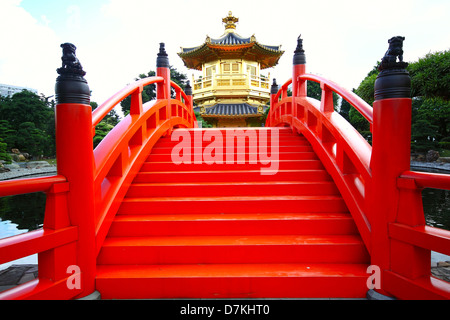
(230, 21)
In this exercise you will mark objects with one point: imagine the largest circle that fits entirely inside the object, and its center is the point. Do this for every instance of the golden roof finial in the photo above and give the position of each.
(230, 21)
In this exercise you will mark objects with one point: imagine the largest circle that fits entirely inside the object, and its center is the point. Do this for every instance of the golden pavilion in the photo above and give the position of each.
(231, 92)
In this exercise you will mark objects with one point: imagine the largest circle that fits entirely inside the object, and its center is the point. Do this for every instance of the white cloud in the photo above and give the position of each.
(343, 39)
(25, 58)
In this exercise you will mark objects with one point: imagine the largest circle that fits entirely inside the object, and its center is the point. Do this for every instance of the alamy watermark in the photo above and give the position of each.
(374, 280)
(228, 146)
(73, 281)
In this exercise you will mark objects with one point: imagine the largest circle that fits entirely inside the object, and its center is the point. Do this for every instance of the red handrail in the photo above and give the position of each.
(98, 183)
(56, 233)
(30, 185)
(359, 104)
(126, 146)
(428, 179)
(384, 199)
(283, 89)
(99, 113)
(179, 90)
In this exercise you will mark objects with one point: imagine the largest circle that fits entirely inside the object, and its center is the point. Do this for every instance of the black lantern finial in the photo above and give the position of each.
(299, 53)
(162, 61)
(393, 81)
(71, 87)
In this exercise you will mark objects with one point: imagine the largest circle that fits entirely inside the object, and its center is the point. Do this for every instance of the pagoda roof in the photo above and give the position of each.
(232, 109)
(231, 46)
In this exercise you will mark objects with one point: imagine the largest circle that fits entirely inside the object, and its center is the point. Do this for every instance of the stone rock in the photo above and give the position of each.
(432, 155)
(37, 164)
(15, 151)
(3, 168)
(443, 264)
(420, 157)
(12, 165)
(442, 273)
(444, 159)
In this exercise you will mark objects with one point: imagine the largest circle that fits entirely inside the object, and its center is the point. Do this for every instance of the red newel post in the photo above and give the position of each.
(299, 62)
(273, 93)
(390, 150)
(163, 70)
(74, 154)
(190, 102)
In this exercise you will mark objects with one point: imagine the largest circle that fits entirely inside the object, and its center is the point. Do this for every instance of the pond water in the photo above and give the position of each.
(23, 213)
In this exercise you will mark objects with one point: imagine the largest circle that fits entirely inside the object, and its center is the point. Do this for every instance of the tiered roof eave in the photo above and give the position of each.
(229, 46)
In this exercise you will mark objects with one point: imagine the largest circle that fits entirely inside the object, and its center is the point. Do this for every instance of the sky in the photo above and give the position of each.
(117, 40)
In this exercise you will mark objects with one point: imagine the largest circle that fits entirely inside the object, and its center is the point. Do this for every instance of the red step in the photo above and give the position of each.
(259, 188)
(280, 164)
(306, 155)
(157, 149)
(230, 231)
(233, 204)
(211, 224)
(232, 175)
(233, 249)
(214, 281)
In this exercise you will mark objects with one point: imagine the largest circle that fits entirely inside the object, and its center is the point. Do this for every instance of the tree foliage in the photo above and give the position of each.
(27, 123)
(200, 119)
(430, 76)
(430, 91)
(4, 152)
(106, 125)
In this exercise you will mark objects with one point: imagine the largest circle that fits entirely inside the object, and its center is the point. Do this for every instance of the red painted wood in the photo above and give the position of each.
(257, 188)
(225, 230)
(232, 224)
(233, 281)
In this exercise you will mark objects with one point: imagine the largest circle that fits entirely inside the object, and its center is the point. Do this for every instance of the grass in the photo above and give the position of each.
(444, 153)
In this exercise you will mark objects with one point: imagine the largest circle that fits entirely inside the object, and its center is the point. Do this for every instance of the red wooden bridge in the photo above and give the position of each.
(304, 207)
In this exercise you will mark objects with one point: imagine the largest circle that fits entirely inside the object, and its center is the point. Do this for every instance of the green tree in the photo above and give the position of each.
(32, 140)
(430, 88)
(7, 134)
(106, 125)
(430, 91)
(201, 120)
(422, 136)
(26, 106)
(430, 76)
(101, 130)
(344, 109)
(4, 152)
(28, 111)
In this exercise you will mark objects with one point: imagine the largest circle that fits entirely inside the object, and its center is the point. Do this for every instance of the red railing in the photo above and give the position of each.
(120, 154)
(85, 195)
(382, 194)
(344, 152)
(55, 243)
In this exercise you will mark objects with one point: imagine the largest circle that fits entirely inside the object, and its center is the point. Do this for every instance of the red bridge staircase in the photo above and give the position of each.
(304, 207)
(225, 230)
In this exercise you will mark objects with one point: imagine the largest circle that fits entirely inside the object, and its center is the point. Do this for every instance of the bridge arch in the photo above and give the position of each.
(382, 193)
